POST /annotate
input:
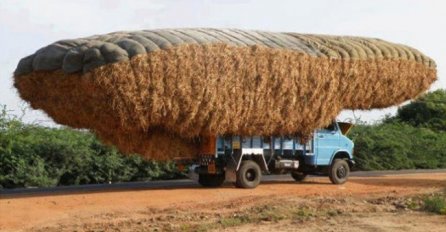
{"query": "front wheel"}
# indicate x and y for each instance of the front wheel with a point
(211, 180)
(248, 175)
(339, 171)
(299, 176)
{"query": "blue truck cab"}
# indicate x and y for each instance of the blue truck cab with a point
(330, 143)
(243, 159)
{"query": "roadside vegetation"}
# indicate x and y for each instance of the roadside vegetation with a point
(33, 155)
(435, 204)
(413, 139)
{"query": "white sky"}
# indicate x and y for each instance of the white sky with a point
(26, 26)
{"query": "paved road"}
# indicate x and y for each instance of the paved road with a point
(172, 184)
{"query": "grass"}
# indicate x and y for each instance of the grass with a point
(195, 228)
(435, 204)
(258, 214)
(234, 221)
(303, 213)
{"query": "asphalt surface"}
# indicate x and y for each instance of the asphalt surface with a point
(173, 184)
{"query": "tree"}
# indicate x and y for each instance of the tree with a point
(428, 111)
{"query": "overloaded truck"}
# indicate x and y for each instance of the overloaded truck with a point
(243, 159)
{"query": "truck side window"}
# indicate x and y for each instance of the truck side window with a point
(287, 144)
(228, 144)
(220, 144)
(246, 142)
(298, 145)
(277, 143)
(331, 127)
(266, 142)
(256, 142)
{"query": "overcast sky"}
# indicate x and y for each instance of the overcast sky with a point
(26, 26)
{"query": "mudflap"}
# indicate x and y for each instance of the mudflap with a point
(230, 174)
(231, 167)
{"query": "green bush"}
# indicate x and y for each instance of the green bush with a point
(427, 111)
(396, 145)
(414, 138)
(33, 155)
(435, 204)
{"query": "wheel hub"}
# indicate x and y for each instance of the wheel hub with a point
(341, 172)
(250, 175)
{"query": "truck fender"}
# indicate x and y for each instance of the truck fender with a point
(341, 153)
(236, 160)
(258, 158)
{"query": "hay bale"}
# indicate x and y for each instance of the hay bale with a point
(155, 92)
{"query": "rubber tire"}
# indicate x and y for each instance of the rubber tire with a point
(211, 180)
(299, 176)
(241, 175)
(333, 171)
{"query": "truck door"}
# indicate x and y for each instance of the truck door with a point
(327, 142)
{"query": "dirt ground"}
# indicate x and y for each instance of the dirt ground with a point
(386, 203)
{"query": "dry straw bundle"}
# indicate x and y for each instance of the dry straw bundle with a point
(154, 92)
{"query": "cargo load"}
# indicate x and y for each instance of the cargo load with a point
(157, 92)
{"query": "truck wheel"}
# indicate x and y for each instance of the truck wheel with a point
(298, 176)
(211, 180)
(339, 171)
(249, 175)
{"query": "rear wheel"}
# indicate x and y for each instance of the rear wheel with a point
(298, 176)
(248, 175)
(339, 171)
(211, 180)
